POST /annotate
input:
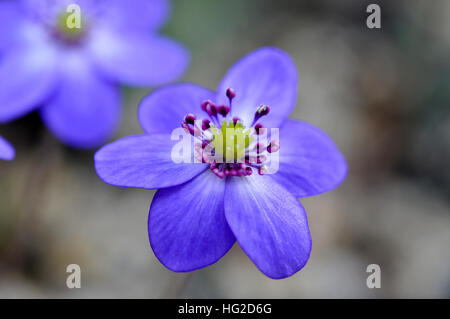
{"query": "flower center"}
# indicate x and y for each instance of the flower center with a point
(231, 141)
(69, 28)
(225, 143)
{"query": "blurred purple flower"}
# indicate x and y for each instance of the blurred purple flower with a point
(202, 209)
(71, 74)
(6, 150)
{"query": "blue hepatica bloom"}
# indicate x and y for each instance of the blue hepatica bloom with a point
(72, 74)
(6, 150)
(201, 209)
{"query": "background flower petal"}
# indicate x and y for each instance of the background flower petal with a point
(187, 225)
(164, 109)
(269, 224)
(6, 150)
(137, 58)
(48, 11)
(266, 76)
(143, 162)
(85, 110)
(27, 77)
(145, 14)
(11, 22)
(310, 163)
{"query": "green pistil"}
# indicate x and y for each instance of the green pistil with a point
(231, 141)
(68, 28)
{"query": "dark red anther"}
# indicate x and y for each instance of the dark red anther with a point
(223, 110)
(205, 143)
(231, 94)
(273, 147)
(259, 128)
(204, 103)
(211, 109)
(206, 124)
(262, 170)
(236, 120)
(190, 118)
(261, 159)
(186, 127)
(262, 110)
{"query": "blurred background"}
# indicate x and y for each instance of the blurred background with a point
(383, 96)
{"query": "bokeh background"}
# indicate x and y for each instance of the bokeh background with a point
(382, 95)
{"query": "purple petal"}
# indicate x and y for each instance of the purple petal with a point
(310, 163)
(27, 77)
(187, 226)
(137, 58)
(164, 109)
(266, 76)
(119, 14)
(85, 111)
(144, 14)
(6, 150)
(50, 10)
(143, 162)
(11, 22)
(269, 224)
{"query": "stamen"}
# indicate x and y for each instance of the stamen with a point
(229, 142)
(187, 128)
(204, 103)
(223, 110)
(260, 147)
(263, 170)
(191, 128)
(273, 147)
(261, 111)
(211, 109)
(206, 124)
(261, 159)
(231, 94)
(236, 120)
(259, 128)
(190, 118)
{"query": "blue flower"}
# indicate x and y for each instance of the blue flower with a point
(201, 209)
(7, 152)
(72, 74)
